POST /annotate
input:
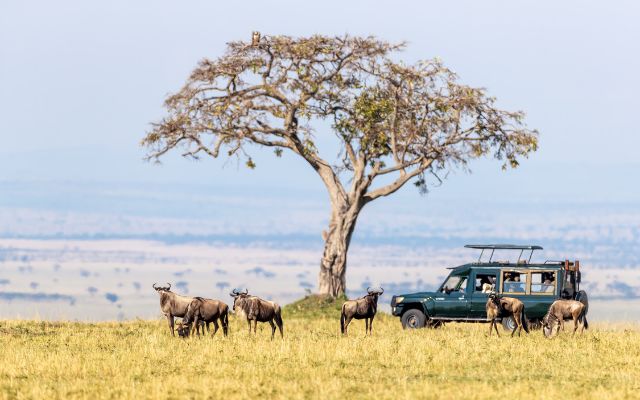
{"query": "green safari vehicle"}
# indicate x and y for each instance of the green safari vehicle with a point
(463, 294)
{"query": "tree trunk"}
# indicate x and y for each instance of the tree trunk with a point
(333, 266)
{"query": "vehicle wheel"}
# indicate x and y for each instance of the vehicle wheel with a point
(509, 324)
(413, 319)
(535, 324)
(582, 297)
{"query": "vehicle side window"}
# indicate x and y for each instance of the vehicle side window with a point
(485, 283)
(462, 287)
(455, 283)
(543, 282)
(514, 282)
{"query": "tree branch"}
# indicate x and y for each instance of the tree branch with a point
(398, 183)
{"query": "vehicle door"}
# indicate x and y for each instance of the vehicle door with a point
(544, 289)
(515, 283)
(483, 282)
(452, 300)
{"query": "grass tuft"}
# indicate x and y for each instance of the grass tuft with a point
(315, 306)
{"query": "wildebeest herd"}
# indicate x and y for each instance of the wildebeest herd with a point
(198, 312)
(559, 311)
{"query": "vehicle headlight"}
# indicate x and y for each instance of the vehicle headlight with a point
(399, 299)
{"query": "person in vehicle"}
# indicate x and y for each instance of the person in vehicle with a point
(490, 285)
(512, 283)
(547, 285)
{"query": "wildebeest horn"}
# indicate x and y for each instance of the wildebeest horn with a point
(368, 290)
(154, 286)
(246, 291)
(168, 287)
(233, 293)
(381, 290)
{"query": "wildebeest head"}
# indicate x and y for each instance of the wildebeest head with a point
(183, 329)
(375, 293)
(548, 323)
(238, 297)
(162, 288)
(494, 296)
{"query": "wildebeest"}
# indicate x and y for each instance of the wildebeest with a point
(207, 311)
(183, 329)
(257, 310)
(498, 306)
(363, 308)
(561, 310)
(172, 304)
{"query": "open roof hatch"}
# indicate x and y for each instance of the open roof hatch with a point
(494, 247)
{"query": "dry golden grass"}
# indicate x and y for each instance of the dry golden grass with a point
(141, 360)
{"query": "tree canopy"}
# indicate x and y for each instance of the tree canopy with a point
(392, 119)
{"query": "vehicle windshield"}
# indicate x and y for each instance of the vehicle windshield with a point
(454, 283)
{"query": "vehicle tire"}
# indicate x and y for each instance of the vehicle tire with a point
(508, 324)
(582, 297)
(535, 324)
(413, 319)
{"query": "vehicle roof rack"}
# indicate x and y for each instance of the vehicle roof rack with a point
(503, 247)
(494, 247)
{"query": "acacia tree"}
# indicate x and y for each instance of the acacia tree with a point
(396, 123)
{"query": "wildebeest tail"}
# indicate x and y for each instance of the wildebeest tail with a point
(583, 318)
(342, 320)
(278, 316)
(525, 322)
(225, 316)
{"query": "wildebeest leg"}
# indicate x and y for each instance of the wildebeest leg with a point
(366, 326)
(273, 328)
(518, 319)
(215, 327)
(559, 322)
(495, 325)
(208, 330)
(249, 322)
(279, 323)
(255, 325)
(371, 325)
(575, 324)
(170, 321)
(195, 328)
(515, 327)
(560, 319)
(346, 325)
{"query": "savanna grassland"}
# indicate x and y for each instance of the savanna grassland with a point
(139, 359)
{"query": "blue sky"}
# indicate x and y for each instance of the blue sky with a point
(81, 81)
